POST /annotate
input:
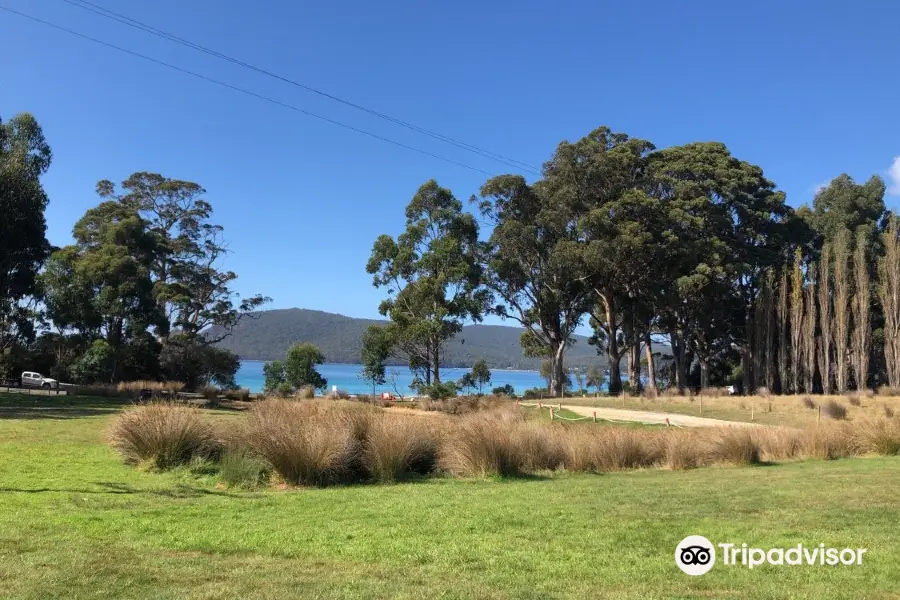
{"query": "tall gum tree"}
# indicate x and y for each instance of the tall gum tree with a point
(433, 277)
(531, 270)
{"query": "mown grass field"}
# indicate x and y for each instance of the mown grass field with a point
(77, 523)
(774, 410)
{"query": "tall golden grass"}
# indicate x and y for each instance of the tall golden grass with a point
(163, 435)
(144, 384)
(325, 442)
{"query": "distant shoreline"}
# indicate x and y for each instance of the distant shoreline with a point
(256, 360)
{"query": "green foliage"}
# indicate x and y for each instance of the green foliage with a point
(300, 366)
(505, 390)
(596, 377)
(376, 349)
(274, 374)
(240, 469)
(184, 359)
(24, 157)
(432, 276)
(96, 364)
(438, 391)
(481, 374)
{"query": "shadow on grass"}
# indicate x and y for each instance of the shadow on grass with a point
(60, 412)
(176, 491)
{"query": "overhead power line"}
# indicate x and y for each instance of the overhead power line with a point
(134, 23)
(244, 91)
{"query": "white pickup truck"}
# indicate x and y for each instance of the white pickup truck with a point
(32, 379)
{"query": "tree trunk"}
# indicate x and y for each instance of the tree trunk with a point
(557, 375)
(862, 327)
(613, 354)
(678, 352)
(704, 372)
(634, 364)
(825, 319)
(747, 353)
(651, 365)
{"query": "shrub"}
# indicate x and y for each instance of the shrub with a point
(506, 390)
(763, 392)
(887, 390)
(734, 445)
(304, 444)
(808, 402)
(284, 390)
(835, 410)
(239, 468)
(395, 447)
(853, 399)
(307, 392)
(439, 391)
(888, 412)
(164, 435)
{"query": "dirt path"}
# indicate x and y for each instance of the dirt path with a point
(651, 418)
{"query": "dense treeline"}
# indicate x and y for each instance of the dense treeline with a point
(686, 244)
(133, 295)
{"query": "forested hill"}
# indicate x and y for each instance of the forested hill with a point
(268, 335)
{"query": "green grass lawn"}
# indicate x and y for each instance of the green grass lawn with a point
(77, 523)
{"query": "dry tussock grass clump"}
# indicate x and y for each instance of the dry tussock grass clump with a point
(734, 446)
(878, 436)
(827, 442)
(853, 399)
(888, 391)
(303, 443)
(464, 405)
(684, 450)
(307, 392)
(835, 410)
(395, 447)
(808, 402)
(780, 443)
(612, 449)
(164, 435)
(156, 386)
(482, 446)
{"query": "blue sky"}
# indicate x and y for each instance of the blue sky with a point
(807, 90)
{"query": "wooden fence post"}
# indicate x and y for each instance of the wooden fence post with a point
(595, 416)
(701, 403)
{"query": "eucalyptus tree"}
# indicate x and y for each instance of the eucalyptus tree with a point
(192, 290)
(24, 157)
(531, 268)
(432, 275)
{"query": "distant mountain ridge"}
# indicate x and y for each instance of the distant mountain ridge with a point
(269, 333)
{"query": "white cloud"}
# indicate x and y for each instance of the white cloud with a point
(893, 175)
